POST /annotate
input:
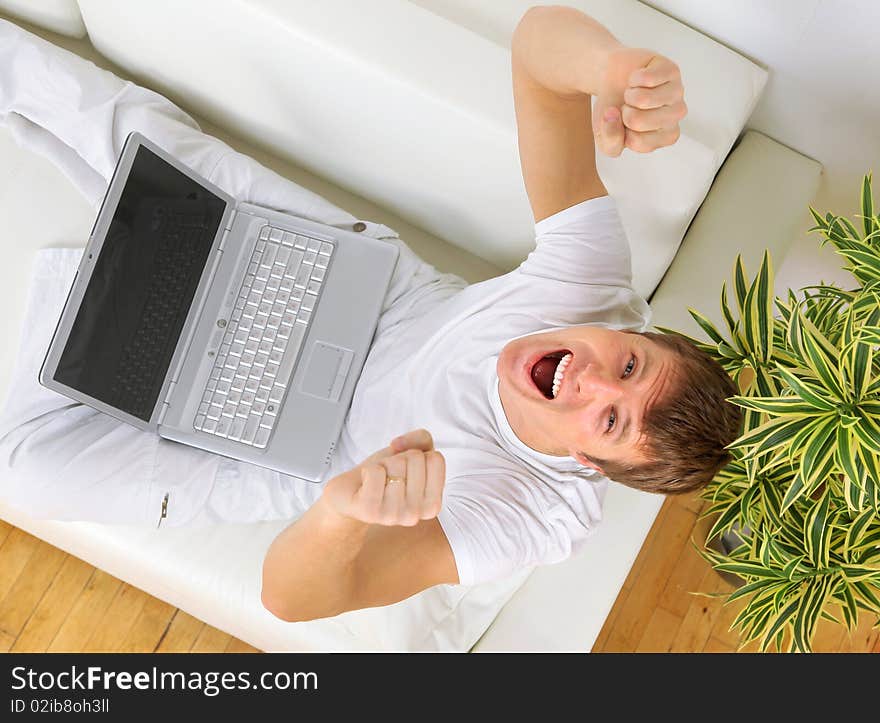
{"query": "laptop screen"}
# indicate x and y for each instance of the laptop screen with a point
(140, 291)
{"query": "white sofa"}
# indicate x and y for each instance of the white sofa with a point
(401, 112)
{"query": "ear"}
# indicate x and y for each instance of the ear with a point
(584, 460)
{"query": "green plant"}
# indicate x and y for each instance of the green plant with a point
(802, 491)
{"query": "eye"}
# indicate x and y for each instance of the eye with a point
(612, 418)
(629, 367)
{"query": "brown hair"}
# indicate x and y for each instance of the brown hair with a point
(687, 431)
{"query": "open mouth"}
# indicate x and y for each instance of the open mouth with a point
(548, 372)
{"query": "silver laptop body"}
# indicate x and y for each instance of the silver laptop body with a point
(274, 312)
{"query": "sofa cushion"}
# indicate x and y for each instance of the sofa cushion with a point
(410, 105)
(59, 16)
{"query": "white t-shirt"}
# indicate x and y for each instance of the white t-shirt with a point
(433, 365)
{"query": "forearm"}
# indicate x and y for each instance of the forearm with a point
(310, 569)
(562, 49)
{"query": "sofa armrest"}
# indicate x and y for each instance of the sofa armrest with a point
(759, 200)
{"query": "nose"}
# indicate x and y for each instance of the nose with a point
(595, 384)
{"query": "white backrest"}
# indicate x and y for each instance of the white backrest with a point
(417, 115)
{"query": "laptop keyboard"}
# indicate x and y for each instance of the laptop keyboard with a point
(263, 337)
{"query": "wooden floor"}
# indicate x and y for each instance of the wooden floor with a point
(656, 610)
(52, 601)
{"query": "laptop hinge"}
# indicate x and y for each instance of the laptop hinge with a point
(167, 403)
(229, 222)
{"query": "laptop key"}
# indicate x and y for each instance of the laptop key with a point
(236, 429)
(250, 428)
(262, 436)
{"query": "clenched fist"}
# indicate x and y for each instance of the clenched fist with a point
(639, 103)
(399, 485)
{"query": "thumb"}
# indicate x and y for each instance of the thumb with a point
(414, 439)
(611, 134)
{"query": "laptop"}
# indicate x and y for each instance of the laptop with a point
(216, 323)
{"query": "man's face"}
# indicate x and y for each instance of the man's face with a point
(608, 383)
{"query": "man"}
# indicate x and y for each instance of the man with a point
(521, 394)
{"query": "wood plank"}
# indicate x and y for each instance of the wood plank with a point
(55, 606)
(149, 627)
(721, 630)
(15, 553)
(239, 646)
(637, 609)
(690, 501)
(211, 640)
(85, 616)
(829, 636)
(863, 637)
(696, 627)
(601, 642)
(660, 632)
(685, 579)
(714, 645)
(181, 634)
(118, 620)
(6, 642)
(5, 529)
(30, 586)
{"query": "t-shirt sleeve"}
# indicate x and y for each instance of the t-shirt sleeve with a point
(585, 243)
(496, 527)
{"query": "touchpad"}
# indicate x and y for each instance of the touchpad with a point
(326, 371)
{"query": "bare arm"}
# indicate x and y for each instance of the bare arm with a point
(561, 57)
(366, 542)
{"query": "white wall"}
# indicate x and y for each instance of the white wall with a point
(822, 98)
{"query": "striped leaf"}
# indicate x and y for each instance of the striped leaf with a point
(782, 406)
(821, 356)
(869, 541)
(820, 221)
(727, 520)
(849, 607)
(854, 573)
(770, 434)
(706, 326)
(794, 492)
(752, 587)
(809, 392)
(868, 432)
(817, 532)
(856, 530)
(865, 265)
(810, 607)
(871, 464)
(781, 620)
(867, 204)
(866, 596)
(748, 569)
(735, 341)
(846, 456)
(763, 306)
(740, 287)
(818, 454)
(790, 571)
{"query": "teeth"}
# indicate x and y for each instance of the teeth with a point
(560, 371)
